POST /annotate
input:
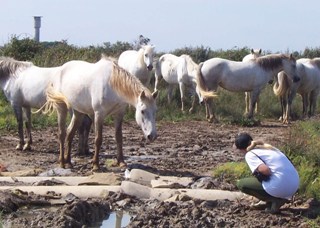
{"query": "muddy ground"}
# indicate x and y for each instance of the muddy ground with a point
(189, 148)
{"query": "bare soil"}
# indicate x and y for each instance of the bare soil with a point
(190, 148)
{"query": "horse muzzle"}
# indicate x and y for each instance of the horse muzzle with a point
(152, 137)
(150, 67)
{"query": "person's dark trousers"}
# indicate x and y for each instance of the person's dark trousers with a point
(253, 187)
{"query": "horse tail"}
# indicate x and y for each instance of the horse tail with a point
(158, 68)
(55, 101)
(201, 85)
(281, 86)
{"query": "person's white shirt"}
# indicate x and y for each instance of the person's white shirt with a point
(284, 179)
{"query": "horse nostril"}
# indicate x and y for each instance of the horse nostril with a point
(296, 79)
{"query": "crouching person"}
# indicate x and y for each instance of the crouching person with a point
(275, 180)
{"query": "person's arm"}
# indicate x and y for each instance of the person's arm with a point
(264, 169)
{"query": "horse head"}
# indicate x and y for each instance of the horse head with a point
(289, 67)
(146, 114)
(148, 53)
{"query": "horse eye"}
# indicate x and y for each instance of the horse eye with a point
(142, 112)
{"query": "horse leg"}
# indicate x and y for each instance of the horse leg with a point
(98, 125)
(286, 101)
(83, 134)
(156, 82)
(282, 108)
(252, 102)
(119, 141)
(193, 94)
(19, 116)
(27, 146)
(305, 104)
(73, 126)
(182, 88)
(210, 111)
(291, 96)
(170, 91)
(247, 100)
(313, 102)
(62, 116)
(257, 105)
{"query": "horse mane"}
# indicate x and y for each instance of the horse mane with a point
(126, 84)
(316, 62)
(271, 62)
(9, 66)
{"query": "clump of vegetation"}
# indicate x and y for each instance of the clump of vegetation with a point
(232, 171)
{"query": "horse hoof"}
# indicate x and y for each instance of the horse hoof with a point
(19, 147)
(68, 165)
(190, 110)
(95, 168)
(122, 165)
(26, 147)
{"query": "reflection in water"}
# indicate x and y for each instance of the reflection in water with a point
(116, 219)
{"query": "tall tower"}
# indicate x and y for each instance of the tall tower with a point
(37, 25)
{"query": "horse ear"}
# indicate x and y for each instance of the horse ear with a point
(252, 51)
(155, 94)
(291, 56)
(260, 50)
(142, 95)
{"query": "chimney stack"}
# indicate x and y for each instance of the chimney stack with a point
(37, 25)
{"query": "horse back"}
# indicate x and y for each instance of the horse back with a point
(85, 85)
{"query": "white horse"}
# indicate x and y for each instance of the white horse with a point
(24, 86)
(180, 70)
(308, 87)
(249, 76)
(254, 53)
(104, 89)
(139, 63)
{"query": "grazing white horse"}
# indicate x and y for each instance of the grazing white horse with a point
(139, 63)
(254, 53)
(308, 87)
(180, 70)
(24, 86)
(249, 76)
(104, 89)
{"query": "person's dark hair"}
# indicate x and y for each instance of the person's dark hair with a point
(243, 140)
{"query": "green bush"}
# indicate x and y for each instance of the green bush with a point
(232, 171)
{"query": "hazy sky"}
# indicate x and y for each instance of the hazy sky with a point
(274, 25)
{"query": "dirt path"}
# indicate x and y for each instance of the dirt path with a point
(190, 148)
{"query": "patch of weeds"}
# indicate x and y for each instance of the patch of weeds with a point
(232, 171)
(245, 122)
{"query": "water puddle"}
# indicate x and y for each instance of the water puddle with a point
(117, 219)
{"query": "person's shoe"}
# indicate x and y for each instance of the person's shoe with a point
(275, 206)
(261, 205)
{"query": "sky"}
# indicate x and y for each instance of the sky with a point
(272, 25)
